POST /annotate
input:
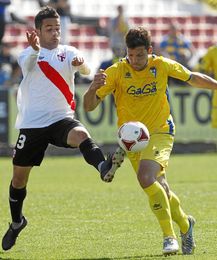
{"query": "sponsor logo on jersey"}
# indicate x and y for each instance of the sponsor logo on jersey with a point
(41, 57)
(61, 56)
(147, 90)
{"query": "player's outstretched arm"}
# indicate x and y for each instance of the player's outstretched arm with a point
(90, 99)
(28, 58)
(82, 66)
(201, 80)
(33, 40)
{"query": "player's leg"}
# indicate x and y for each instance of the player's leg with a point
(159, 203)
(93, 154)
(29, 151)
(151, 161)
(71, 133)
(184, 221)
(17, 194)
(177, 213)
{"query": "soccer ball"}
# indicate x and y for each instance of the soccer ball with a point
(133, 136)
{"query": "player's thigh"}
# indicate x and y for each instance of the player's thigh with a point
(158, 150)
(134, 158)
(30, 147)
(68, 133)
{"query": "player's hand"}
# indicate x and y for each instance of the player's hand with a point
(77, 61)
(33, 40)
(99, 80)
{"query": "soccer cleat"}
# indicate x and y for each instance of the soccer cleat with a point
(188, 243)
(170, 246)
(110, 165)
(11, 235)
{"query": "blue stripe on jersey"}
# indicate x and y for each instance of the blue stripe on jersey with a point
(171, 126)
(168, 98)
(189, 78)
(169, 122)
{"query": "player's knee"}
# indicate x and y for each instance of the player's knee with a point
(76, 136)
(19, 182)
(82, 136)
(145, 179)
(20, 177)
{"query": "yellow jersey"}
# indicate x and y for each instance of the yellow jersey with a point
(209, 65)
(209, 61)
(143, 95)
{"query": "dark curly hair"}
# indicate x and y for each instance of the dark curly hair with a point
(137, 37)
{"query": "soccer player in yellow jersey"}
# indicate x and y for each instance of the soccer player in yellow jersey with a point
(209, 65)
(139, 86)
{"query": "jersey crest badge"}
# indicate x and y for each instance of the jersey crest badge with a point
(153, 71)
(61, 56)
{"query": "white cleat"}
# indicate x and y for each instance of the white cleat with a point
(170, 246)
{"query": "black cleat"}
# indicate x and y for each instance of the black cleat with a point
(11, 235)
(112, 163)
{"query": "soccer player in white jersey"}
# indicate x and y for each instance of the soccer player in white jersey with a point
(46, 108)
(139, 85)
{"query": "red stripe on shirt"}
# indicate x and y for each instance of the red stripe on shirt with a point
(58, 81)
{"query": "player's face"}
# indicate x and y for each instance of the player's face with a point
(49, 34)
(138, 57)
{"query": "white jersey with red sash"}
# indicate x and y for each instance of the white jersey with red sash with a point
(46, 93)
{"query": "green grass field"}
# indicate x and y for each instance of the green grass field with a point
(72, 214)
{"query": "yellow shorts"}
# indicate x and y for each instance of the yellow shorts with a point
(158, 150)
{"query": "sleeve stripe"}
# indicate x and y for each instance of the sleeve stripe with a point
(189, 78)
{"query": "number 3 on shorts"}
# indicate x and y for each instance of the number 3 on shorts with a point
(21, 141)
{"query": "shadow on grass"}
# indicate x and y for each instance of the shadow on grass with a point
(145, 257)
(12, 258)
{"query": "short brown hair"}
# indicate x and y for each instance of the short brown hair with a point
(138, 37)
(46, 12)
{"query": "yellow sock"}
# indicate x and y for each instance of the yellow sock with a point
(161, 208)
(178, 215)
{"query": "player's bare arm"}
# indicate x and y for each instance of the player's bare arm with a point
(201, 80)
(33, 40)
(90, 100)
(82, 66)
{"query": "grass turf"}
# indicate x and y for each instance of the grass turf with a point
(72, 214)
